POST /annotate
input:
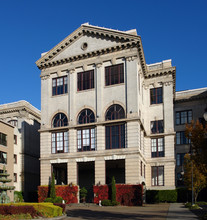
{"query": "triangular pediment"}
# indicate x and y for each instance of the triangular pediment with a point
(85, 40)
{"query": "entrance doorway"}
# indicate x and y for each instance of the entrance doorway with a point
(86, 178)
(60, 171)
(115, 168)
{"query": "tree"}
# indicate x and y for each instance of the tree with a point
(196, 132)
(83, 193)
(199, 180)
(113, 190)
(52, 188)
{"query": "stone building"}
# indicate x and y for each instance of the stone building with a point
(25, 119)
(7, 152)
(105, 112)
(189, 105)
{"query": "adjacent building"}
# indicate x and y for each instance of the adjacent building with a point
(7, 153)
(105, 112)
(25, 121)
(189, 105)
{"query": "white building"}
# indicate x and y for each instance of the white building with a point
(105, 112)
(26, 166)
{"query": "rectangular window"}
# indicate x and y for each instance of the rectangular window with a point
(158, 176)
(3, 139)
(115, 136)
(157, 145)
(114, 74)
(183, 117)
(15, 177)
(85, 80)
(15, 158)
(86, 139)
(141, 168)
(60, 85)
(181, 139)
(180, 159)
(60, 142)
(15, 139)
(3, 157)
(157, 127)
(156, 95)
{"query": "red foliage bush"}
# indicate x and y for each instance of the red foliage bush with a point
(128, 195)
(100, 193)
(68, 193)
(12, 210)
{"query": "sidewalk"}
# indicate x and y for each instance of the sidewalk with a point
(178, 211)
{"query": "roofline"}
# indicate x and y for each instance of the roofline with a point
(6, 123)
(190, 90)
(86, 29)
(22, 104)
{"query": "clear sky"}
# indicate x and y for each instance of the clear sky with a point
(170, 29)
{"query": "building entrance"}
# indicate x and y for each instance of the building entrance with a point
(60, 171)
(86, 178)
(115, 168)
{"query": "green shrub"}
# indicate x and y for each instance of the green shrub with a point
(18, 197)
(47, 210)
(156, 196)
(52, 187)
(83, 193)
(48, 200)
(182, 194)
(113, 190)
(106, 202)
(201, 203)
(167, 196)
(188, 204)
(195, 206)
(115, 203)
(58, 199)
(14, 217)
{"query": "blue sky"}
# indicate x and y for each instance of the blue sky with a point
(170, 29)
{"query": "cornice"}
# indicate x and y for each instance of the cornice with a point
(125, 40)
(163, 72)
(92, 54)
(90, 125)
(18, 109)
(190, 99)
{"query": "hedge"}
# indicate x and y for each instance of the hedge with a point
(156, 196)
(41, 209)
(129, 195)
(68, 193)
(12, 210)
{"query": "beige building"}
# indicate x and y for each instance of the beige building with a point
(105, 112)
(26, 166)
(7, 153)
(189, 105)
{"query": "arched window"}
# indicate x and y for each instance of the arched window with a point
(115, 112)
(60, 120)
(86, 116)
(115, 133)
(86, 135)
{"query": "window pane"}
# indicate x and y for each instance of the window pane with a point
(177, 118)
(114, 74)
(59, 85)
(178, 138)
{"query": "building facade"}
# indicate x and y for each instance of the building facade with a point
(189, 105)
(105, 112)
(25, 119)
(7, 153)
